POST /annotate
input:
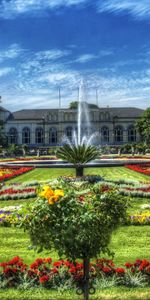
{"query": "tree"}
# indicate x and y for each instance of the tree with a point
(78, 155)
(143, 126)
(77, 222)
(74, 105)
(3, 139)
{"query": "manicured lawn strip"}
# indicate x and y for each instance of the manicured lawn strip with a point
(14, 242)
(128, 244)
(43, 174)
(107, 172)
(117, 173)
(115, 293)
(23, 202)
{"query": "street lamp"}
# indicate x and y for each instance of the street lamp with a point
(43, 121)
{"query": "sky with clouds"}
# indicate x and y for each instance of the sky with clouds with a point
(49, 45)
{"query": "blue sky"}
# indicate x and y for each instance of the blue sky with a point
(50, 44)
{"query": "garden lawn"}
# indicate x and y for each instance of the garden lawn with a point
(115, 293)
(107, 172)
(128, 243)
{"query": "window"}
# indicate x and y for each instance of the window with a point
(105, 134)
(54, 117)
(39, 136)
(26, 135)
(66, 118)
(107, 116)
(69, 132)
(118, 132)
(13, 136)
(131, 134)
(53, 136)
(101, 116)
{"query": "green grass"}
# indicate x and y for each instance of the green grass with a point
(128, 243)
(116, 293)
(107, 172)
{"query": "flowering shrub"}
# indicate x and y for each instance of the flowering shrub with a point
(73, 221)
(8, 173)
(145, 169)
(77, 223)
(48, 274)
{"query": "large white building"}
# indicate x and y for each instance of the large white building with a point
(46, 127)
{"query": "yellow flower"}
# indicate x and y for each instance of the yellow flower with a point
(59, 193)
(51, 195)
(47, 192)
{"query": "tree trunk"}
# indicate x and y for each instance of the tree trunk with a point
(79, 171)
(86, 265)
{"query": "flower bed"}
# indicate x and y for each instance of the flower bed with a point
(10, 172)
(142, 218)
(45, 273)
(17, 192)
(9, 217)
(144, 169)
(129, 187)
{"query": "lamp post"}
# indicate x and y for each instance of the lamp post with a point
(43, 121)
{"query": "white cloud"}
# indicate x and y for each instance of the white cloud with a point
(5, 71)
(51, 54)
(13, 51)
(12, 8)
(138, 8)
(85, 58)
(88, 57)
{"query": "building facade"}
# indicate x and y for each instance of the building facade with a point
(46, 127)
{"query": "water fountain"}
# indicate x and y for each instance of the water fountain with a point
(82, 135)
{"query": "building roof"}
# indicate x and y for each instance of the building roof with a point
(3, 109)
(38, 114)
(124, 112)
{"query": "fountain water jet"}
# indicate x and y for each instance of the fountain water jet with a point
(82, 136)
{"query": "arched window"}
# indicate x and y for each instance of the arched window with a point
(39, 136)
(49, 117)
(131, 134)
(118, 132)
(26, 136)
(13, 136)
(105, 134)
(53, 136)
(69, 132)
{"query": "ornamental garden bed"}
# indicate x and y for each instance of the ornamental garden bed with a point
(67, 274)
(7, 173)
(144, 169)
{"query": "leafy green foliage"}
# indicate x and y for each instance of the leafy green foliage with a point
(80, 154)
(143, 126)
(79, 224)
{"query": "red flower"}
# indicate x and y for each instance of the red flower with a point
(128, 265)
(48, 260)
(44, 279)
(120, 270)
(58, 263)
(106, 270)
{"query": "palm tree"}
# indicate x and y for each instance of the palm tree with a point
(78, 155)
